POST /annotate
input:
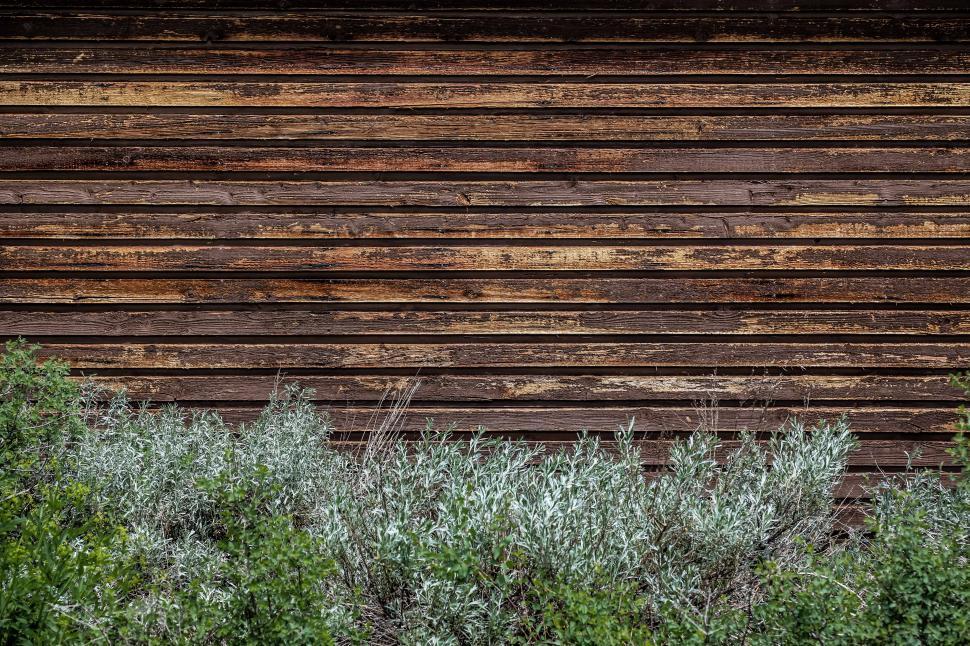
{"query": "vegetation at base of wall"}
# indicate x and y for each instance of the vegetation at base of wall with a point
(123, 525)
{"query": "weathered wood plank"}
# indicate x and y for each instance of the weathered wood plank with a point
(557, 429)
(422, 27)
(552, 407)
(195, 225)
(708, 192)
(662, 420)
(472, 290)
(491, 7)
(498, 388)
(315, 323)
(483, 258)
(559, 423)
(505, 355)
(482, 95)
(486, 159)
(585, 62)
(493, 127)
(528, 5)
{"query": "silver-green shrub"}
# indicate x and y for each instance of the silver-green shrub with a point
(439, 541)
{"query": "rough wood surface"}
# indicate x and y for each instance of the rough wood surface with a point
(564, 423)
(582, 62)
(299, 355)
(194, 224)
(420, 27)
(560, 217)
(484, 5)
(482, 159)
(483, 258)
(524, 322)
(499, 388)
(489, 127)
(896, 290)
(516, 193)
(450, 94)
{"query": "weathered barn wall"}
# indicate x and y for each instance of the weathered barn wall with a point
(560, 219)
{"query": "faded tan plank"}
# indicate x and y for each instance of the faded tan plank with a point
(772, 193)
(496, 127)
(194, 224)
(315, 323)
(510, 290)
(482, 95)
(507, 355)
(483, 258)
(581, 388)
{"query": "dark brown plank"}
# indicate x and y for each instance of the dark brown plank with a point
(285, 60)
(661, 420)
(861, 486)
(485, 159)
(495, 127)
(315, 323)
(870, 453)
(505, 355)
(558, 424)
(511, 290)
(528, 5)
(192, 225)
(483, 258)
(482, 95)
(793, 192)
(581, 388)
(421, 27)
(482, 5)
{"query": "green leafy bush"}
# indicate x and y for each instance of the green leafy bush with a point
(57, 563)
(907, 583)
(265, 585)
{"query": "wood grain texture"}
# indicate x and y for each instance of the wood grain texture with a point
(484, 6)
(448, 95)
(488, 160)
(759, 203)
(653, 452)
(330, 389)
(192, 224)
(582, 62)
(505, 355)
(522, 322)
(453, 193)
(489, 127)
(484, 258)
(565, 423)
(421, 27)
(899, 290)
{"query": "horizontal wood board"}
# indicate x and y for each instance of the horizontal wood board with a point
(557, 218)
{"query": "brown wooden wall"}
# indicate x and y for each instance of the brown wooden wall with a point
(560, 219)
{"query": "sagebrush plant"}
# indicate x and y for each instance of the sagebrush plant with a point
(445, 538)
(129, 525)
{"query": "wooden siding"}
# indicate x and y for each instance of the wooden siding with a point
(559, 219)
